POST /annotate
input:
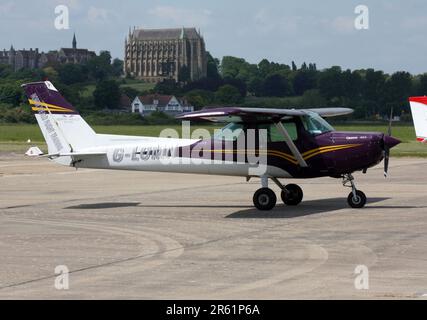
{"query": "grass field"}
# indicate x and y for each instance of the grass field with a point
(138, 85)
(13, 138)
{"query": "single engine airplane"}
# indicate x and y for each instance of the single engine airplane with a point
(287, 143)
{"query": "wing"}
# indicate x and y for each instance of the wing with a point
(258, 114)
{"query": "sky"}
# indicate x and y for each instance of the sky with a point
(282, 31)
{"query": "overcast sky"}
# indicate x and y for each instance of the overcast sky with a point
(279, 30)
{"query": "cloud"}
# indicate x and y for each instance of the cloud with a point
(97, 14)
(182, 17)
(267, 21)
(342, 24)
(6, 8)
(415, 23)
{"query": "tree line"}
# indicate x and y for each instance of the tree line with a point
(231, 81)
(370, 92)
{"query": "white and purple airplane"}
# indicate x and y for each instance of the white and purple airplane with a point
(286, 143)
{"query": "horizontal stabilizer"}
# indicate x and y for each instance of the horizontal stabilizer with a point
(74, 154)
(34, 152)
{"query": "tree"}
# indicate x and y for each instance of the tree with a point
(212, 67)
(199, 98)
(304, 67)
(100, 66)
(130, 92)
(210, 84)
(184, 74)
(5, 70)
(373, 87)
(276, 85)
(422, 86)
(107, 94)
(397, 90)
(330, 83)
(167, 86)
(51, 73)
(239, 84)
(230, 66)
(294, 66)
(11, 94)
(255, 86)
(72, 73)
(117, 67)
(228, 94)
(266, 68)
(352, 84)
(303, 81)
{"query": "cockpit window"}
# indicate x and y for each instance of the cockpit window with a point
(230, 132)
(274, 135)
(315, 124)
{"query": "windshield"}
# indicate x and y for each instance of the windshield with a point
(315, 124)
(230, 132)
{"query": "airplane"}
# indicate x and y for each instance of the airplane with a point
(419, 116)
(269, 144)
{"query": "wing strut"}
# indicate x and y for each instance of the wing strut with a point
(291, 144)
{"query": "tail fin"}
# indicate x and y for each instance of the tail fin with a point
(419, 116)
(63, 128)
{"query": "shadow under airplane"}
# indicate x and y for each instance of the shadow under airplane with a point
(308, 207)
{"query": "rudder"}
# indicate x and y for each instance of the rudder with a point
(63, 128)
(419, 116)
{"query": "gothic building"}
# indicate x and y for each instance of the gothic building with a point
(32, 59)
(74, 55)
(19, 59)
(156, 54)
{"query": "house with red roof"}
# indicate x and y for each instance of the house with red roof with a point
(157, 102)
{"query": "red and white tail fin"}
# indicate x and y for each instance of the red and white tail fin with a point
(419, 116)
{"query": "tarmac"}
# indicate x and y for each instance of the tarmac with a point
(137, 235)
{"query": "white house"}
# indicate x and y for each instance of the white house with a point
(164, 103)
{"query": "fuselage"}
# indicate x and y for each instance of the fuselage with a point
(331, 153)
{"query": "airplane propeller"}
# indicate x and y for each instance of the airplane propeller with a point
(387, 146)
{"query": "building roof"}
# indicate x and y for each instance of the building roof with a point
(165, 34)
(72, 52)
(149, 99)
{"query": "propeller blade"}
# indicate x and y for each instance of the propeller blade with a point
(386, 160)
(386, 147)
(390, 122)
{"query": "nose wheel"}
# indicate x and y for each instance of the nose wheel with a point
(357, 201)
(356, 198)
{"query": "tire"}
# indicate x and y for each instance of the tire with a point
(359, 202)
(264, 199)
(293, 196)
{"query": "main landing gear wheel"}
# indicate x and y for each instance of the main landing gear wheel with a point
(292, 195)
(358, 200)
(264, 199)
